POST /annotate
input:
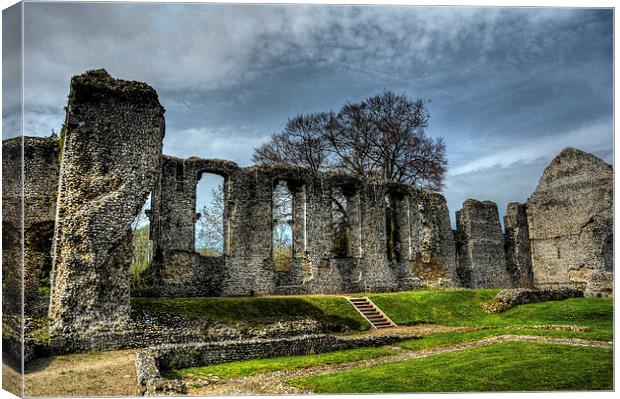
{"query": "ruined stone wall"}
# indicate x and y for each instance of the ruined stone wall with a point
(481, 258)
(398, 237)
(179, 270)
(517, 246)
(40, 168)
(570, 218)
(111, 154)
(247, 266)
(433, 251)
(12, 222)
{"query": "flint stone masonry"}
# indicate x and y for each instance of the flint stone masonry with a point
(151, 362)
(509, 298)
(398, 237)
(517, 246)
(570, 219)
(111, 151)
(12, 222)
(155, 328)
(247, 267)
(481, 258)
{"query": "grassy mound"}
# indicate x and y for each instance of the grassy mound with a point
(462, 308)
(500, 367)
(449, 307)
(334, 311)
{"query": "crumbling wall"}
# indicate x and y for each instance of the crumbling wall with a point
(247, 266)
(179, 269)
(433, 247)
(481, 259)
(517, 246)
(40, 185)
(12, 222)
(570, 217)
(111, 152)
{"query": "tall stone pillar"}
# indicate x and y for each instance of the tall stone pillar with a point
(518, 250)
(481, 246)
(111, 154)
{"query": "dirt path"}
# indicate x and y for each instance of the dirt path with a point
(110, 373)
(275, 382)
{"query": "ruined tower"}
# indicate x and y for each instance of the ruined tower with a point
(111, 153)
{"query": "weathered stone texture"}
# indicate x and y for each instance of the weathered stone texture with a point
(481, 259)
(433, 253)
(422, 234)
(40, 168)
(111, 151)
(517, 246)
(151, 362)
(12, 222)
(570, 218)
(509, 298)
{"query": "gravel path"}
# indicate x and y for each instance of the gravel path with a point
(275, 382)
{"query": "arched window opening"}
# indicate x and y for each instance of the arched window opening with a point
(392, 228)
(179, 176)
(141, 271)
(341, 226)
(282, 226)
(209, 225)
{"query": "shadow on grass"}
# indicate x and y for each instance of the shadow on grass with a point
(334, 312)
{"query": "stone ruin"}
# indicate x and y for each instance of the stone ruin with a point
(82, 191)
(570, 221)
(247, 267)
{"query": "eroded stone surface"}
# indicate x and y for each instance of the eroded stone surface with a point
(399, 237)
(517, 246)
(12, 224)
(482, 263)
(570, 218)
(422, 240)
(110, 160)
(509, 298)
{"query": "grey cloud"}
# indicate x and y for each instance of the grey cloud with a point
(500, 79)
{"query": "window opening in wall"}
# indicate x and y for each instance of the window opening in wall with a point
(38, 244)
(341, 227)
(392, 229)
(282, 224)
(141, 270)
(608, 254)
(209, 225)
(180, 172)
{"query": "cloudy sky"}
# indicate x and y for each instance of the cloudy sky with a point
(508, 87)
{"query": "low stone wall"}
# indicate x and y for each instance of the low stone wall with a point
(150, 362)
(509, 298)
(152, 328)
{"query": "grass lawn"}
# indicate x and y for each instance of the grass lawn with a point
(462, 308)
(511, 366)
(334, 311)
(258, 366)
(455, 337)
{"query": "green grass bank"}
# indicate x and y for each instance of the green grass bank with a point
(511, 366)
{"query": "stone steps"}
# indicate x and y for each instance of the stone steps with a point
(371, 313)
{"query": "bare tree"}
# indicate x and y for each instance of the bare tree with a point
(380, 137)
(210, 225)
(301, 143)
(282, 222)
